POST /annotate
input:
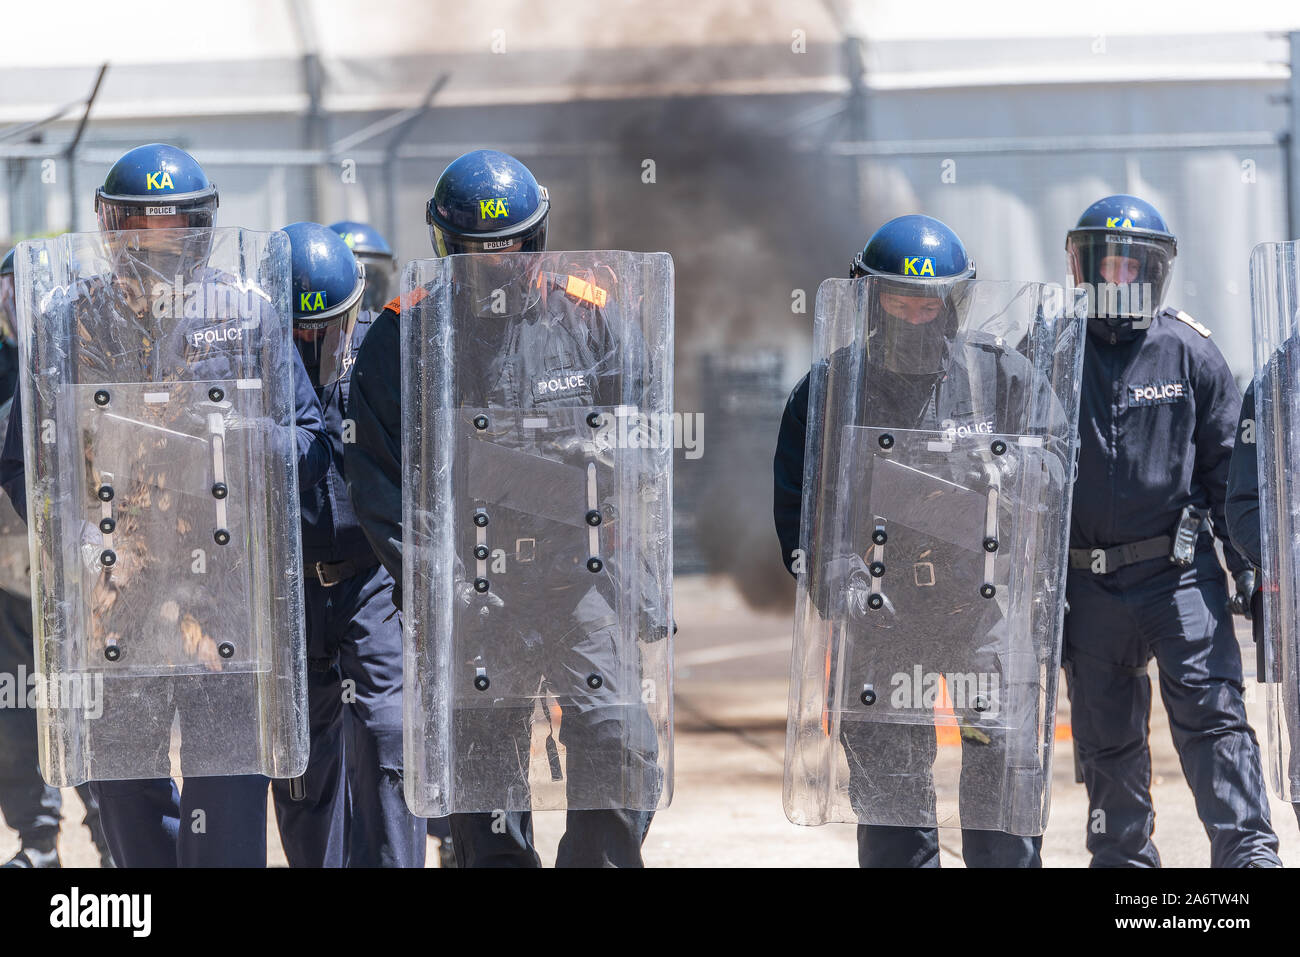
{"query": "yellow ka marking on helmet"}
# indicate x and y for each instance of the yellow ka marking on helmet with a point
(311, 301)
(1115, 221)
(350, 240)
(909, 266)
(492, 208)
(159, 179)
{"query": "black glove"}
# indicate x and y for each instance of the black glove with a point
(1239, 604)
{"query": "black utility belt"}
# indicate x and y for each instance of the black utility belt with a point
(1179, 548)
(330, 574)
(1103, 561)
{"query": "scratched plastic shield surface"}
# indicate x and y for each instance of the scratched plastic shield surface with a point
(929, 607)
(161, 464)
(537, 391)
(1275, 301)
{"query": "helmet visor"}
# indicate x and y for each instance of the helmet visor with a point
(446, 243)
(177, 212)
(1123, 276)
(325, 341)
(911, 326)
(379, 282)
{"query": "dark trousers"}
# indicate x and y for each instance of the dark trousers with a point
(1117, 623)
(355, 632)
(221, 821)
(29, 805)
(354, 696)
(884, 846)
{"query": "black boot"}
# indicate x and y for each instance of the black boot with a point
(37, 851)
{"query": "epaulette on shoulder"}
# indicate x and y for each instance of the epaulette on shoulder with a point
(415, 296)
(1188, 320)
(584, 291)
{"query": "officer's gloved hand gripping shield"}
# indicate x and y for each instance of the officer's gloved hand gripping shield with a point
(1275, 304)
(162, 496)
(537, 444)
(931, 586)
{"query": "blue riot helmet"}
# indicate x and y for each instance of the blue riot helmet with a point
(325, 293)
(156, 186)
(1122, 254)
(918, 265)
(8, 301)
(162, 197)
(487, 201)
(374, 253)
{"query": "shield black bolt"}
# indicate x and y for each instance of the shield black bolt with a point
(593, 517)
(981, 703)
(481, 552)
(594, 419)
(886, 441)
(481, 519)
(987, 590)
(219, 490)
(990, 544)
(112, 652)
(221, 536)
(226, 650)
(108, 558)
(594, 682)
(216, 395)
(481, 585)
(594, 565)
(481, 682)
(877, 569)
(868, 696)
(106, 525)
(879, 536)
(875, 602)
(999, 447)
(101, 397)
(105, 493)
(480, 422)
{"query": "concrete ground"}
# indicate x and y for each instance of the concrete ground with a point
(732, 681)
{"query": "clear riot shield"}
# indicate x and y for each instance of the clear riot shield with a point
(15, 563)
(931, 591)
(158, 419)
(1275, 302)
(537, 549)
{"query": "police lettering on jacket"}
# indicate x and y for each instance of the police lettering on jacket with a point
(1154, 393)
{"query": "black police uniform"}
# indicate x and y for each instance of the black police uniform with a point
(142, 817)
(30, 806)
(1157, 410)
(990, 381)
(354, 634)
(550, 336)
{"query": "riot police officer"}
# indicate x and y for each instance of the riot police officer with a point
(30, 806)
(376, 255)
(611, 837)
(354, 633)
(911, 381)
(146, 820)
(1158, 408)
